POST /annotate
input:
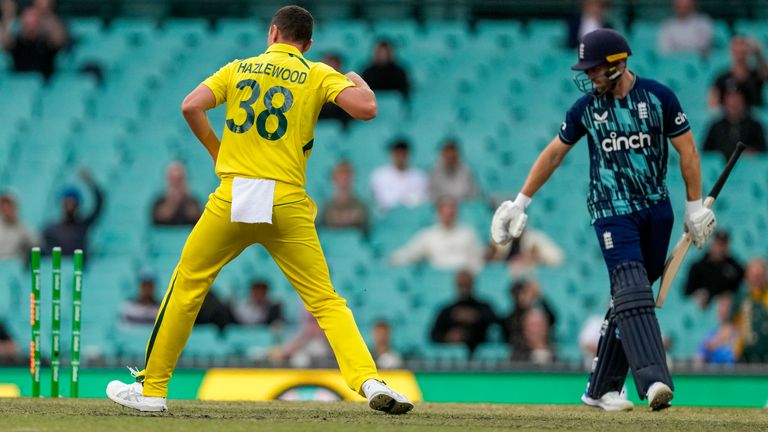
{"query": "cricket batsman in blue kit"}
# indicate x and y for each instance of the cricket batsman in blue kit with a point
(627, 120)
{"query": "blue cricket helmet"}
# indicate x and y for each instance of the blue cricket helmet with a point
(599, 47)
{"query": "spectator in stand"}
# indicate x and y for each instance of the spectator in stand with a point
(71, 232)
(344, 209)
(309, 347)
(688, 31)
(176, 206)
(142, 309)
(465, 321)
(716, 273)
(15, 238)
(445, 245)
(751, 313)
(591, 18)
(719, 347)
(398, 184)
(42, 35)
(214, 311)
(736, 125)
(331, 111)
(536, 335)
(384, 73)
(451, 178)
(526, 296)
(383, 353)
(259, 309)
(589, 336)
(523, 254)
(747, 72)
(9, 351)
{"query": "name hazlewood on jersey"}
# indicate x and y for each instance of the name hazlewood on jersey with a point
(275, 71)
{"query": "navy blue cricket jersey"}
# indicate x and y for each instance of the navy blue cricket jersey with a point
(628, 146)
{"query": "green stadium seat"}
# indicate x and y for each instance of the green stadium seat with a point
(492, 285)
(434, 289)
(85, 29)
(130, 340)
(168, 240)
(252, 342)
(135, 30)
(492, 352)
(206, 342)
(444, 354)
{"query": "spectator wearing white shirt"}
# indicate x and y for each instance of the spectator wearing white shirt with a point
(688, 31)
(398, 184)
(445, 245)
(524, 254)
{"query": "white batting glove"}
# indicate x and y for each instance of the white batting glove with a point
(509, 220)
(700, 222)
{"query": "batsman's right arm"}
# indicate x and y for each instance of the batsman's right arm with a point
(547, 162)
(690, 164)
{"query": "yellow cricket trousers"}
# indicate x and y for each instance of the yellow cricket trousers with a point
(292, 242)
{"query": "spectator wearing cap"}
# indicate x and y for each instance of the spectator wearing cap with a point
(384, 73)
(71, 231)
(398, 184)
(142, 309)
(716, 273)
(688, 31)
(15, 237)
(748, 72)
(451, 178)
(736, 125)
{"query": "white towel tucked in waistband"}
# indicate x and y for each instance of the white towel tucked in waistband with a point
(252, 200)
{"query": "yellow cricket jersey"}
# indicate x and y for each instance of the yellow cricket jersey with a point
(273, 101)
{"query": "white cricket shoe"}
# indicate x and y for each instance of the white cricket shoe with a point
(382, 398)
(659, 395)
(611, 401)
(130, 395)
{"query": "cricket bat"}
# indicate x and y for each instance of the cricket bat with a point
(672, 265)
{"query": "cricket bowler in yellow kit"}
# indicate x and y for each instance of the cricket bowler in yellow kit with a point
(272, 104)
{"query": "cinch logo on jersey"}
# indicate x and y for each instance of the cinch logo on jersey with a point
(285, 74)
(681, 118)
(635, 141)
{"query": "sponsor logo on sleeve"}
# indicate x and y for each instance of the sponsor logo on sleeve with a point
(601, 118)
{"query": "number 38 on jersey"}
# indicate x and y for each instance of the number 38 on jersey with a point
(271, 123)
